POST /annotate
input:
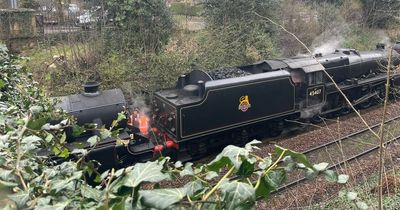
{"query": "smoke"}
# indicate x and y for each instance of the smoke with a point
(329, 40)
(138, 102)
(329, 46)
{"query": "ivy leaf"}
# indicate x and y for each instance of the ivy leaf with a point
(145, 172)
(351, 196)
(104, 134)
(161, 198)
(295, 155)
(2, 160)
(187, 170)
(238, 195)
(311, 174)
(211, 175)
(93, 140)
(250, 146)
(91, 193)
(193, 187)
(2, 84)
(362, 205)
(178, 164)
(56, 206)
(321, 166)
(265, 163)
(230, 155)
(77, 130)
(7, 184)
(264, 189)
(246, 169)
(121, 116)
(20, 198)
(276, 178)
(343, 178)
(30, 143)
(331, 176)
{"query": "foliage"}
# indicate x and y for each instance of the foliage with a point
(378, 13)
(146, 25)
(138, 72)
(180, 8)
(32, 4)
(361, 39)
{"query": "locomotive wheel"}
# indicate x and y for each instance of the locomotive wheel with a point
(345, 111)
(316, 119)
(366, 104)
(275, 132)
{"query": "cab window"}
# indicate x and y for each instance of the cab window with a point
(315, 78)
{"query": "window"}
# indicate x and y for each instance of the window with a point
(315, 78)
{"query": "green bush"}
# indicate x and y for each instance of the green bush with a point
(361, 39)
(180, 8)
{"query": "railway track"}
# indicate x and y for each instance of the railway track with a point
(340, 141)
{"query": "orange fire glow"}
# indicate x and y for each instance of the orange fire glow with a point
(144, 124)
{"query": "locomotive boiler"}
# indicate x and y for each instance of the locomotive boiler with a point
(211, 109)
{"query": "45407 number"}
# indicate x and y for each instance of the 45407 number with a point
(315, 92)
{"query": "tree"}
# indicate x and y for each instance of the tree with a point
(144, 24)
(235, 35)
(378, 13)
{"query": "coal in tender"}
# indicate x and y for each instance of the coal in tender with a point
(225, 73)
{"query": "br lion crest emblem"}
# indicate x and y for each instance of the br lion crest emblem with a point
(244, 103)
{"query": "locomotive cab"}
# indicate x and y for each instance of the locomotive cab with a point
(308, 76)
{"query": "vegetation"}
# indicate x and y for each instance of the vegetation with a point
(142, 52)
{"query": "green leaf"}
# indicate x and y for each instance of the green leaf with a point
(104, 134)
(56, 206)
(331, 176)
(361, 205)
(2, 160)
(343, 178)
(178, 164)
(20, 198)
(351, 196)
(77, 130)
(211, 175)
(7, 184)
(237, 195)
(145, 172)
(64, 153)
(193, 187)
(93, 140)
(276, 178)
(91, 193)
(121, 116)
(265, 163)
(187, 170)
(298, 157)
(161, 198)
(311, 174)
(250, 146)
(230, 155)
(36, 109)
(63, 138)
(2, 84)
(321, 166)
(264, 189)
(246, 169)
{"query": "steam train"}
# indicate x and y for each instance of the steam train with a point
(211, 109)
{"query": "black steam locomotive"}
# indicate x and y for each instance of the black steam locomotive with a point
(210, 109)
